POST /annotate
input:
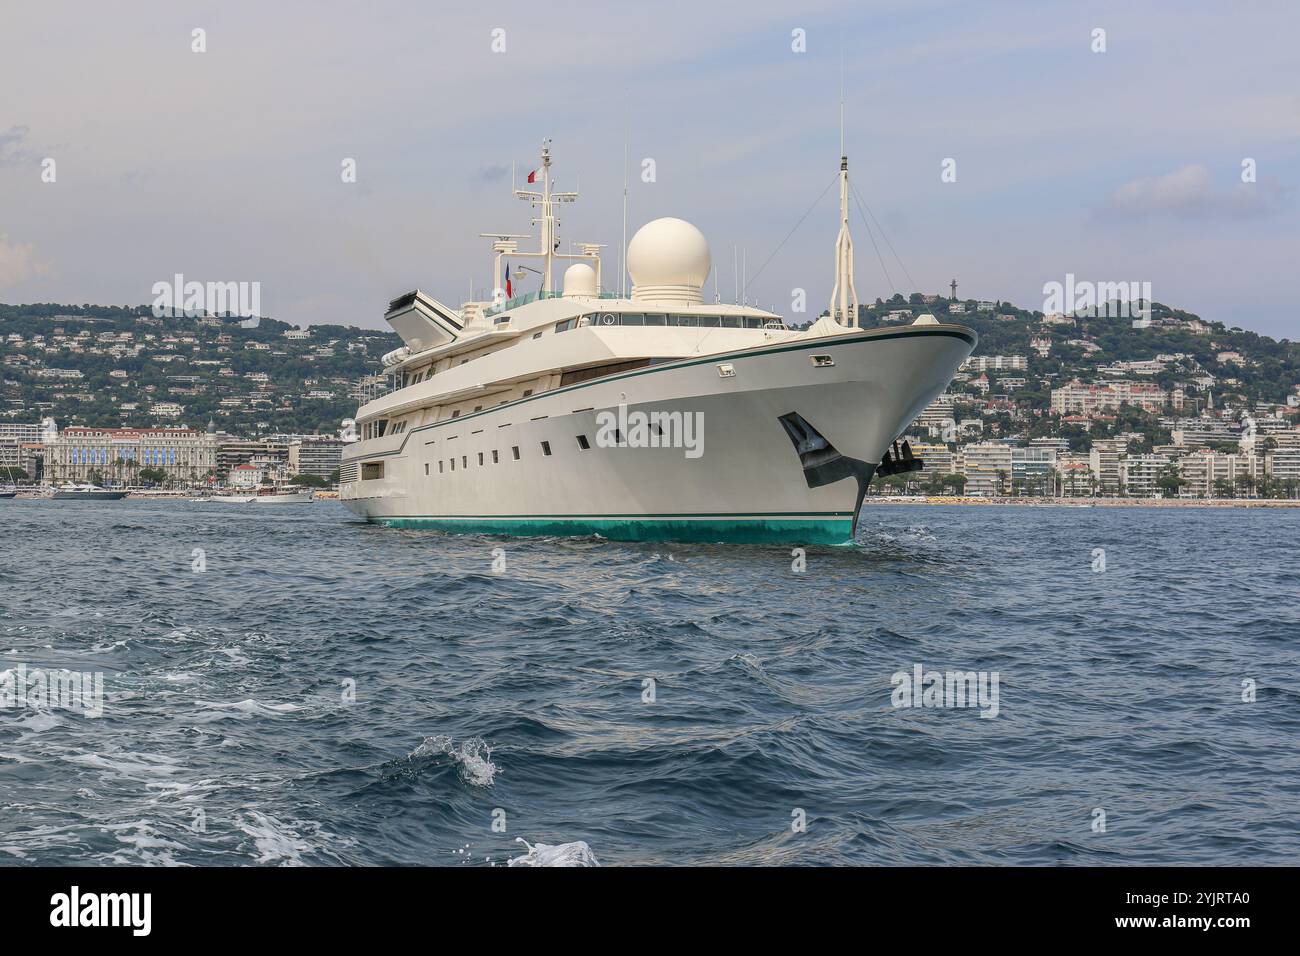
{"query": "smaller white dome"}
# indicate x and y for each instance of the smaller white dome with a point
(926, 319)
(579, 280)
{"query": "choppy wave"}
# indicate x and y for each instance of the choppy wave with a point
(473, 756)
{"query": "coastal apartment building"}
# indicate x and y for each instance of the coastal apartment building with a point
(1140, 474)
(20, 447)
(1202, 430)
(937, 415)
(1079, 399)
(269, 455)
(1207, 472)
(1283, 464)
(315, 456)
(1033, 471)
(22, 432)
(1074, 475)
(996, 363)
(116, 455)
(938, 458)
(987, 467)
(1104, 460)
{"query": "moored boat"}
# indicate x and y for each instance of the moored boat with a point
(654, 415)
(86, 492)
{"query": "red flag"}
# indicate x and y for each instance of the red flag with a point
(532, 177)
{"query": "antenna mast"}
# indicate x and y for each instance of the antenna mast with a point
(844, 296)
(547, 221)
(622, 258)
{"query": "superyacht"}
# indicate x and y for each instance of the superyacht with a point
(651, 416)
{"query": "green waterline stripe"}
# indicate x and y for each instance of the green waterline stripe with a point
(670, 366)
(769, 529)
(635, 517)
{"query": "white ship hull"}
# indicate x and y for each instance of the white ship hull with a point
(749, 483)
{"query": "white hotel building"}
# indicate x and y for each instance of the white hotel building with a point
(118, 454)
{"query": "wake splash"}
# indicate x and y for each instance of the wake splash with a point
(562, 854)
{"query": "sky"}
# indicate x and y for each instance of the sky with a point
(1115, 164)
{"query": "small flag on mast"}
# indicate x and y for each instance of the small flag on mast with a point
(532, 177)
(509, 291)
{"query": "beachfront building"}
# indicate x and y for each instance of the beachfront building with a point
(1140, 474)
(1103, 459)
(1033, 472)
(987, 467)
(1074, 476)
(314, 455)
(1211, 474)
(938, 458)
(118, 455)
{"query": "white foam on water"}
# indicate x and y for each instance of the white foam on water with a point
(151, 770)
(240, 710)
(39, 721)
(577, 853)
(144, 844)
(276, 842)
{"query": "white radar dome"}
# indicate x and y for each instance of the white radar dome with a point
(668, 260)
(579, 280)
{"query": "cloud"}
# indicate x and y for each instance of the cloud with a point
(18, 263)
(493, 174)
(12, 152)
(1190, 192)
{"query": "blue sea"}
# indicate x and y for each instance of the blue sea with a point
(289, 686)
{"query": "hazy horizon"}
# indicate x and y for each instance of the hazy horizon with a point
(1123, 165)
